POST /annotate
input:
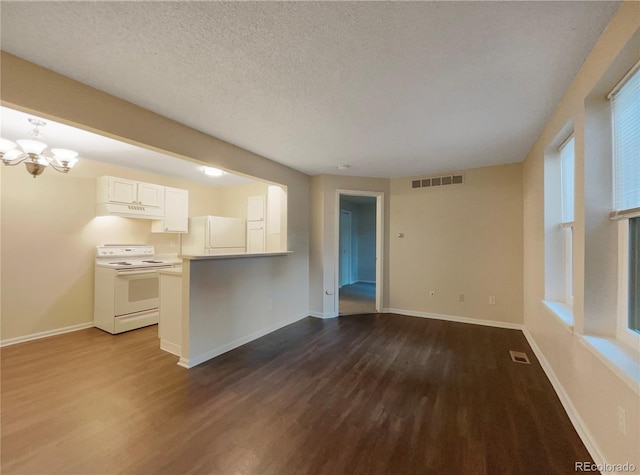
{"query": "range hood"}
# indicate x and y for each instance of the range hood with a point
(129, 211)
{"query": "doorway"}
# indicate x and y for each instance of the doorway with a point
(359, 246)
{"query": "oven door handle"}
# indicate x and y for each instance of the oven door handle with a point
(139, 272)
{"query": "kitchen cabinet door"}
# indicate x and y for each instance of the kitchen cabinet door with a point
(122, 190)
(255, 236)
(256, 208)
(150, 195)
(176, 212)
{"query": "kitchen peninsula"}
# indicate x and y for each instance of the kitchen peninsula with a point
(229, 300)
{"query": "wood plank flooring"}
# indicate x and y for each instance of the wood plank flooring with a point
(362, 394)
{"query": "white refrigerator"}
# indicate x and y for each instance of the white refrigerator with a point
(214, 235)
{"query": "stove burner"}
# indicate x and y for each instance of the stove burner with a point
(121, 263)
(153, 262)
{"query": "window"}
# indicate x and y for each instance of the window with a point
(625, 108)
(559, 200)
(567, 161)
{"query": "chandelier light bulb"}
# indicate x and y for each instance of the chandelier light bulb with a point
(6, 145)
(65, 158)
(10, 154)
(32, 146)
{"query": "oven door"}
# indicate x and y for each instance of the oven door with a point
(136, 291)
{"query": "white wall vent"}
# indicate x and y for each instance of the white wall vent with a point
(443, 180)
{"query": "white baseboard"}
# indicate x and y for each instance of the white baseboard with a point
(184, 362)
(577, 421)
(45, 334)
(191, 362)
(170, 347)
(455, 318)
(323, 315)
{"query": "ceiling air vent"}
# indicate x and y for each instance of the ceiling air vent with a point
(443, 180)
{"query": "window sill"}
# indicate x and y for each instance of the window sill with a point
(621, 359)
(562, 311)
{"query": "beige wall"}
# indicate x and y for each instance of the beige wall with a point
(235, 198)
(459, 239)
(30, 88)
(323, 265)
(594, 390)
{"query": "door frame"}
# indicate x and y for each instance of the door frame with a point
(341, 265)
(379, 196)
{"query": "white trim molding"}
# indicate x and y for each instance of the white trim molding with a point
(45, 334)
(199, 359)
(170, 347)
(380, 237)
(323, 315)
(455, 318)
(578, 423)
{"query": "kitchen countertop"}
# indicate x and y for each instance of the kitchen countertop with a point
(171, 271)
(235, 256)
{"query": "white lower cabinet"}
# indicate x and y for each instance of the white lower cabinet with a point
(170, 324)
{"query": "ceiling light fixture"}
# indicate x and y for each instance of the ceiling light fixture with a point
(32, 153)
(210, 171)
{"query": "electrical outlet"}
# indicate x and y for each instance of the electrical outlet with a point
(432, 294)
(622, 420)
(492, 300)
(460, 297)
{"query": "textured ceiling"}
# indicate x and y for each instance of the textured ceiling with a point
(390, 88)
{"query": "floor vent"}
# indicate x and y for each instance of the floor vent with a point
(438, 181)
(519, 357)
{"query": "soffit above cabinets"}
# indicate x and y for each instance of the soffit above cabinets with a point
(92, 146)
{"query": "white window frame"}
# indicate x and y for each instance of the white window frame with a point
(568, 263)
(568, 228)
(623, 332)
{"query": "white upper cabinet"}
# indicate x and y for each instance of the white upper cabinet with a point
(256, 208)
(121, 190)
(176, 212)
(151, 195)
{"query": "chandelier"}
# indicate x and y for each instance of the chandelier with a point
(32, 153)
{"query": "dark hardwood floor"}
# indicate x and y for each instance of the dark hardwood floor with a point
(362, 394)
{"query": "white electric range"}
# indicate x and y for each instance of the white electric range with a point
(126, 286)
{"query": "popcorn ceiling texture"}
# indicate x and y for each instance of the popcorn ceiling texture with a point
(393, 89)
